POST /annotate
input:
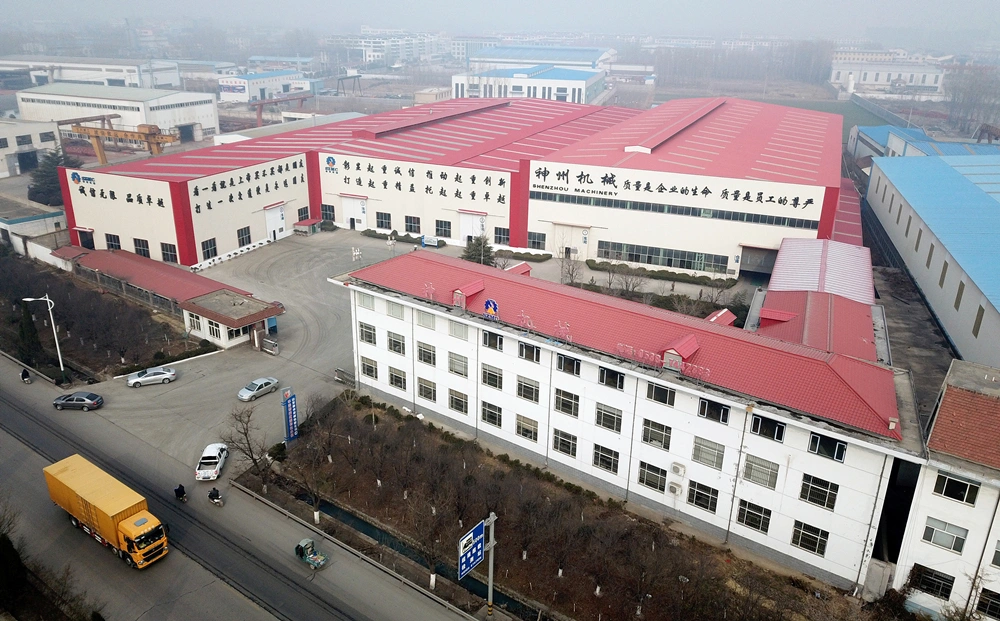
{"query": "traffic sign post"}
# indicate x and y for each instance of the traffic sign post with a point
(471, 549)
(291, 414)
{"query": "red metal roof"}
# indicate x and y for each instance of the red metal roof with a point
(829, 386)
(721, 137)
(480, 133)
(161, 278)
(847, 221)
(966, 426)
(308, 222)
(821, 320)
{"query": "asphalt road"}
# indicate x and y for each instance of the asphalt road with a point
(247, 546)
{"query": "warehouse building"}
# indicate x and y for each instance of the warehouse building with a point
(891, 141)
(787, 449)
(520, 56)
(97, 71)
(257, 86)
(706, 186)
(541, 81)
(940, 214)
(192, 116)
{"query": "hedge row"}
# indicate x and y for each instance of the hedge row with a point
(406, 239)
(204, 347)
(605, 266)
(523, 256)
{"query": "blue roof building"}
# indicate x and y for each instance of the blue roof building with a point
(891, 141)
(544, 81)
(942, 214)
(526, 55)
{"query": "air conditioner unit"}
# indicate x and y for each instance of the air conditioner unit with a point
(674, 488)
(677, 468)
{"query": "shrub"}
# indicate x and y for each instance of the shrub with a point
(278, 452)
(204, 343)
(159, 355)
(365, 400)
(327, 225)
(527, 256)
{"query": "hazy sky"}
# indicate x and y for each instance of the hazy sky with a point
(806, 18)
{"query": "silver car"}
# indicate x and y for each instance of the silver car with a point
(154, 375)
(256, 388)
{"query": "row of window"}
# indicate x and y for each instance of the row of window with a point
(668, 257)
(677, 210)
(940, 584)
(79, 104)
(214, 329)
(25, 140)
(168, 252)
(185, 104)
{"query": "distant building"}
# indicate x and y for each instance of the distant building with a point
(21, 142)
(102, 71)
(264, 64)
(430, 95)
(541, 82)
(205, 69)
(867, 56)
(255, 86)
(888, 77)
(518, 57)
(464, 47)
(890, 141)
(192, 116)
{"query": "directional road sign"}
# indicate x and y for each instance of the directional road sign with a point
(471, 549)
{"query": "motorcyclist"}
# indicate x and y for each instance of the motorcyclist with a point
(179, 491)
(25, 376)
(214, 494)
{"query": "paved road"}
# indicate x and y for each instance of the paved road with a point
(244, 542)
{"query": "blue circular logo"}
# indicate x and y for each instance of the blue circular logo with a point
(331, 162)
(75, 177)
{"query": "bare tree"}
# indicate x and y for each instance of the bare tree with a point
(307, 462)
(630, 281)
(570, 270)
(687, 306)
(10, 514)
(245, 438)
(503, 259)
(719, 291)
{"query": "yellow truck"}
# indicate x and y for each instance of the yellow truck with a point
(107, 510)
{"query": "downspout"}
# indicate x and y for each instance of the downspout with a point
(972, 589)
(736, 478)
(631, 444)
(553, 356)
(871, 520)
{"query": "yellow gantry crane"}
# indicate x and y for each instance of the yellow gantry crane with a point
(150, 134)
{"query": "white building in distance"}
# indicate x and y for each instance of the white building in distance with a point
(541, 81)
(257, 86)
(21, 144)
(100, 71)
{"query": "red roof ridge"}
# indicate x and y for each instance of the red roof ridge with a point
(657, 138)
(433, 116)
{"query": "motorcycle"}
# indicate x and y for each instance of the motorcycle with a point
(181, 497)
(25, 378)
(216, 500)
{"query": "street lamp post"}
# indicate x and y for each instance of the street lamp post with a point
(55, 335)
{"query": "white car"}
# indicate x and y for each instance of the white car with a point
(211, 462)
(155, 375)
(256, 388)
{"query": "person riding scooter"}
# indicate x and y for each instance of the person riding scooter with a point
(179, 492)
(25, 376)
(214, 495)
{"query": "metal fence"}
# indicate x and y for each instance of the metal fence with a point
(126, 289)
(889, 117)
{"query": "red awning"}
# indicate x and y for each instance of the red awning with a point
(309, 222)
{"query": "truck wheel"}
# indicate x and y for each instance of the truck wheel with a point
(128, 560)
(75, 522)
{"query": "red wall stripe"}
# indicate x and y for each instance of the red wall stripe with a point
(829, 215)
(67, 194)
(315, 183)
(518, 205)
(180, 201)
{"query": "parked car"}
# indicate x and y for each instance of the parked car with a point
(256, 388)
(211, 462)
(155, 375)
(85, 401)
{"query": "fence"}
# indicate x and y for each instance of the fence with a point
(879, 111)
(128, 290)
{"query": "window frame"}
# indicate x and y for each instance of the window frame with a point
(392, 308)
(759, 424)
(760, 471)
(458, 361)
(458, 330)
(366, 362)
(604, 414)
(367, 330)
(762, 515)
(648, 473)
(819, 492)
(397, 378)
(168, 252)
(941, 488)
(141, 247)
(564, 396)
(932, 582)
(454, 398)
(563, 361)
(442, 228)
(570, 440)
(653, 388)
(701, 451)
(243, 237)
(706, 411)
(412, 224)
(840, 447)
(703, 496)
(606, 458)
(931, 532)
(209, 249)
(611, 378)
(365, 300)
(115, 244)
(989, 602)
(802, 531)
(396, 343)
(425, 319)
(492, 340)
(426, 354)
(522, 424)
(491, 414)
(648, 432)
(425, 385)
(383, 217)
(492, 376)
(528, 389)
(523, 349)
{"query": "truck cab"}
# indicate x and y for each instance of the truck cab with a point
(141, 539)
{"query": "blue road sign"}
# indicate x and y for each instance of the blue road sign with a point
(291, 416)
(471, 549)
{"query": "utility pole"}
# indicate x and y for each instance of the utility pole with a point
(490, 521)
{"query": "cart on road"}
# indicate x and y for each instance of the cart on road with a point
(307, 553)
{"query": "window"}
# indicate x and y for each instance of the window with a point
(458, 364)
(714, 411)
(708, 453)
(458, 330)
(208, 250)
(397, 378)
(827, 447)
(536, 241)
(412, 224)
(113, 241)
(394, 309)
(909, 221)
(526, 428)
(326, 212)
(23, 141)
(168, 252)
(660, 394)
(979, 322)
(3, 143)
(425, 320)
(656, 434)
(213, 329)
(611, 378)
(47, 137)
(528, 352)
(369, 368)
(761, 472)
(195, 322)
(493, 340)
(958, 295)
(567, 402)
(492, 414)
(916, 246)
(383, 220)
(527, 389)
(956, 488)
(501, 236)
(819, 492)
(366, 333)
(442, 228)
(809, 538)
(427, 389)
(946, 535)
(141, 247)
(989, 601)
(932, 582)
(606, 459)
(243, 236)
(767, 428)
(365, 300)
(458, 401)
(397, 343)
(652, 477)
(426, 353)
(703, 496)
(564, 442)
(568, 365)
(899, 214)
(996, 555)
(944, 272)
(492, 376)
(754, 516)
(609, 418)
(930, 255)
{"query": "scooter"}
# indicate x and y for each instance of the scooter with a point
(182, 497)
(26, 379)
(218, 502)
